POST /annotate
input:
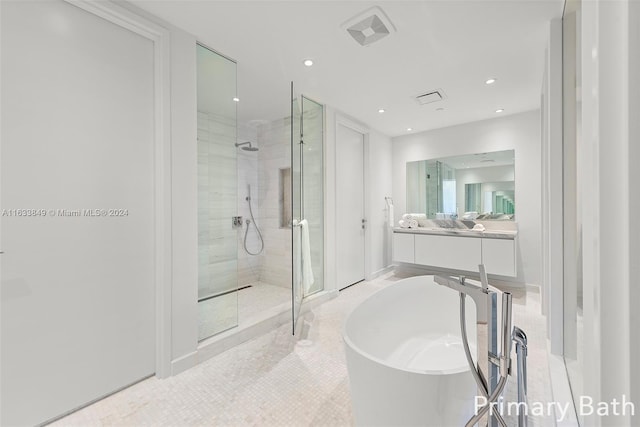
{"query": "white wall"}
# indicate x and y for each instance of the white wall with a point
(519, 132)
(380, 186)
(552, 185)
(633, 160)
(610, 108)
(184, 184)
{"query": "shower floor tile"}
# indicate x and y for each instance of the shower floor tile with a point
(226, 311)
(281, 380)
(260, 297)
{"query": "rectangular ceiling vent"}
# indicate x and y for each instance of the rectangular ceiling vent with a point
(429, 97)
(369, 26)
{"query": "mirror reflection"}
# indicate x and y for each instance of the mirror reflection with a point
(472, 186)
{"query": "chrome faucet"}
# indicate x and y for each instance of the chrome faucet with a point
(493, 367)
(481, 295)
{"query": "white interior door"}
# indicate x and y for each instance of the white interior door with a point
(350, 206)
(77, 201)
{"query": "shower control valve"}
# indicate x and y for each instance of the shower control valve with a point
(237, 221)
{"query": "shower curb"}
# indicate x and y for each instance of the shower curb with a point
(254, 327)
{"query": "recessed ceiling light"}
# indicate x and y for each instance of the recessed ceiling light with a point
(490, 81)
(409, 129)
(308, 62)
(236, 99)
(499, 110)
(381, 110)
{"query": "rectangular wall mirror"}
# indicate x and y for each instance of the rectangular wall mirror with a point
(472, 186)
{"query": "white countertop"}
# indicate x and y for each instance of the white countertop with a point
(461, 232)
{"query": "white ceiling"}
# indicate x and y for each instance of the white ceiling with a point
(450, 45)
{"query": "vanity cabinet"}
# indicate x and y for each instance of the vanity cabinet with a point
(462, 253)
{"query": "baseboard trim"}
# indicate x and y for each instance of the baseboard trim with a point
(380, 272)
(183, 363)
(561, 389)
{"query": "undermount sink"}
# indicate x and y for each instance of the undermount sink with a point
(455, 230)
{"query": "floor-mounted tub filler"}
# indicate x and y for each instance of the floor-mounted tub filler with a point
(409, 353)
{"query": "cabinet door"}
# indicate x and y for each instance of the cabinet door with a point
(455, 252)
(499, 256)
(403, 247)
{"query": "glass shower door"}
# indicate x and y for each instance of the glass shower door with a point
(312, 149)
(307, 198)
(296, 209)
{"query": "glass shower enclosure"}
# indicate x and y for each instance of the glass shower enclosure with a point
(307, 200)
(218, 234)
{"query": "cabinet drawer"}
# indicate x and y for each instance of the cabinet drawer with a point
(499, 256)
(459, 253)
(403, 249)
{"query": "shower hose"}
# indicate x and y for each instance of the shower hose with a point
(246, 232)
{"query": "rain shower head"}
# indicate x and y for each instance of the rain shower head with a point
(249, 148)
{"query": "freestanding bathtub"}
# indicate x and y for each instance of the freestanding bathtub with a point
(405, 357)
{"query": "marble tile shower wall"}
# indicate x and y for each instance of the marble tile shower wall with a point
(274, 140)
(248, 265)
(217, 203)
(222, 194)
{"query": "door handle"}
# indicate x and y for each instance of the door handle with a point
(363, 222)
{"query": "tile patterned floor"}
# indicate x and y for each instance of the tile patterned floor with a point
(281, 380)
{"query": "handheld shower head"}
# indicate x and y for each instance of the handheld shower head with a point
(249, 148)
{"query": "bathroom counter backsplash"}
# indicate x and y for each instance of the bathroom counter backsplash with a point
(492, 229)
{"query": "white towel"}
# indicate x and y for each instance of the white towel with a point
(297, 255)
(305, 248)
(470, 215)
(390, 212)
(416, 216)
(413, 223)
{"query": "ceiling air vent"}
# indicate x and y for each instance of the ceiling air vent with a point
(429, 97)
(369, 26)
